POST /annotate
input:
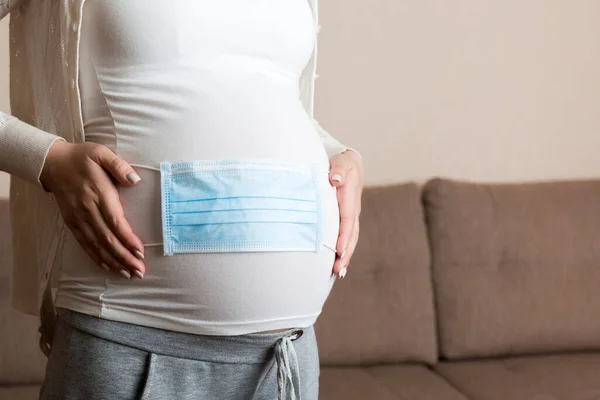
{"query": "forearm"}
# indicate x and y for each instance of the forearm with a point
(23, 148)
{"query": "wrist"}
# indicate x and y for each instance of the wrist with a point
(352, 152)
(57, 151)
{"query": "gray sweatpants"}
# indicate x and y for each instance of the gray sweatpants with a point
(98, 359)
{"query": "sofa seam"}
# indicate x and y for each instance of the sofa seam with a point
(435, 301)
(451, 384)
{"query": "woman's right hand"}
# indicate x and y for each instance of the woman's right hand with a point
(79, 177)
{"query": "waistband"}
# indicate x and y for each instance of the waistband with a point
(258, 348)
(243, 349)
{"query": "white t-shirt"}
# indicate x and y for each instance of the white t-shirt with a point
(206, 80)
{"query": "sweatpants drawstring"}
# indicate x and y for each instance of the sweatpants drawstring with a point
(288, 372)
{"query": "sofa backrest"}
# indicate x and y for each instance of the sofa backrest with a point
(21, 360)
(382, 312)
(516, 267)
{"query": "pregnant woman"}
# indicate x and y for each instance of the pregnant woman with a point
(207, 214)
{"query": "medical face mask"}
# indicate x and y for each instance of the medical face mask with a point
(241, 205)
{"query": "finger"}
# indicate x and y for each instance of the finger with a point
(116, 166)
(340, 165)
(346, 226)
(91, 242)
(91, 252)
(113, 245)
(348, 199)
(115, 265)
(341, 265)
(112, 212)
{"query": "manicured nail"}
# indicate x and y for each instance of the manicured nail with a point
(342, 273)
(336, 177)
(126, 274)
(139, 254)
(133, 177)
(343, 252)
(105, 267)
(138, 274)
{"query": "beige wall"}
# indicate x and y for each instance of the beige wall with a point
(476, 89)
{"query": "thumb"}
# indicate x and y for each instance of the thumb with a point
(338, 170)
(116, 166)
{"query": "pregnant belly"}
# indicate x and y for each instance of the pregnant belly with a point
(204, 293)
(216, 118)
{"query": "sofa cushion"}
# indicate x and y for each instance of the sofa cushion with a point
(21, 360)
(20, 392)
(26, 392)
(382, 312)
(404, 382)
(556, 377)
(516, 267)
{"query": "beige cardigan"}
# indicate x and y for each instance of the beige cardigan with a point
(46, 106)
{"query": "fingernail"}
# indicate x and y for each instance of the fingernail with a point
(126, 274)
(138, 274)
(342, 273)
(105, 267)
(133, 177)
(139, 254)
(336, 177)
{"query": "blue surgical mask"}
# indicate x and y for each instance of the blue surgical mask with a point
(241, 205)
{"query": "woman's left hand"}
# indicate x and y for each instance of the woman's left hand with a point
(347, 175)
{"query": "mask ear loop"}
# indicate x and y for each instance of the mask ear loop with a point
(154, 169)
(145, 166)
(327, 247)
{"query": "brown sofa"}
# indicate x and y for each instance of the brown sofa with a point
(457, 291)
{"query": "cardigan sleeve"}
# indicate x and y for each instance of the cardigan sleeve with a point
(23, 148)
(7, 5)
(331, 144)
